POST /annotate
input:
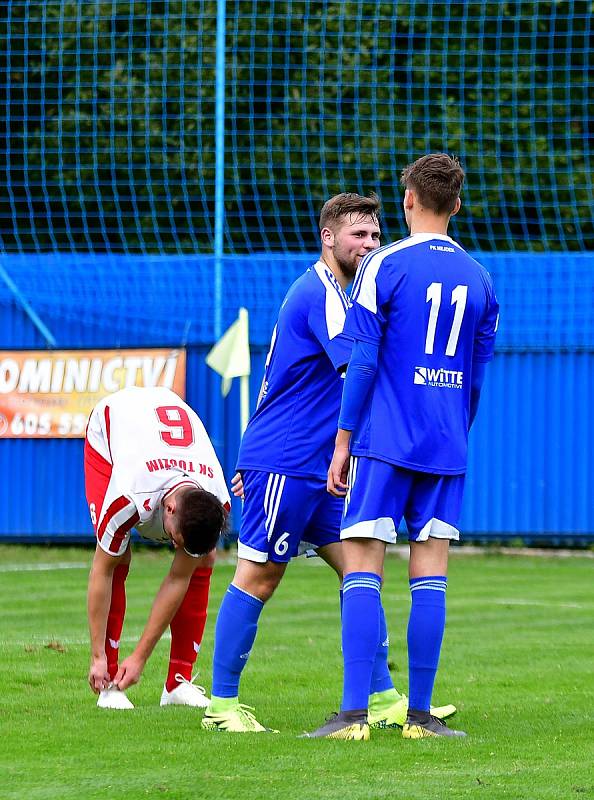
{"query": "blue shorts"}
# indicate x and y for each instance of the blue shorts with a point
(381, 494)
(283, 516)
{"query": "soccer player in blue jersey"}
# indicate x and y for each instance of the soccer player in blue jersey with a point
(423, 320)
(284, 459)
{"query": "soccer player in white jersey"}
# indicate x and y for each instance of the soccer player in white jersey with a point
(284, 459)
(149, 465)
(423, 320)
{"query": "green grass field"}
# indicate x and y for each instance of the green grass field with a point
(518, 662)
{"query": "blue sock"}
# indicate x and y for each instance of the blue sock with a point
(360, 636)
(381, 680)
(235, 632)
(426, 625)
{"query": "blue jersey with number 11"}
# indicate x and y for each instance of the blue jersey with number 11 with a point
(432, 311)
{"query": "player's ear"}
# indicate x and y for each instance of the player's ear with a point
(409, 199)
(327, 237)
(169, 505)
(456, 207)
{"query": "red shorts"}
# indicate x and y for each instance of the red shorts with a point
(112, 515)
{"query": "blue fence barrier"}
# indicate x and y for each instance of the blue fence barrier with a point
(531, 463)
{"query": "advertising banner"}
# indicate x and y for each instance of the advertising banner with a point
(47, 394)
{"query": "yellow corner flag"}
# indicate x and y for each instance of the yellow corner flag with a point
(230, 356)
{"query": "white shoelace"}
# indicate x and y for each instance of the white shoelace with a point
(180, 678)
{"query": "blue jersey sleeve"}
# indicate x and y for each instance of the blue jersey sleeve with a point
(326, 322)
(358, 382)
(484, 341)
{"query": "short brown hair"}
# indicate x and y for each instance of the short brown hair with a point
(202, 518)
(437, 181)
(346, 203)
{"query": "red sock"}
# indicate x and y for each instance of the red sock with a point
(187, 628)
(115, 618)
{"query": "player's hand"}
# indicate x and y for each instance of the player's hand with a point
(129, 672)
(237, 485)
(338, 473)
(98, 675)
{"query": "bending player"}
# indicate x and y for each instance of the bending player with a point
(424, 317)
(284, 459)
(149, 464)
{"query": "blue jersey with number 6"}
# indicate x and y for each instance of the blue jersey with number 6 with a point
(432, 310)
(293, 429)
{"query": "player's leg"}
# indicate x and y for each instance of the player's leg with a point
(269, 536)
(363, 568)
(110, 569)
(235, 633)
(323, 533)
(237, 623)
(106, 605)
(431, 514)
(428, 582)
(117, 612)
(187, 629)
(387, 706)
(367, 526)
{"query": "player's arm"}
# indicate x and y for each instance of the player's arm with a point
(358, 382)
(167, 601)
(98, 603)
(484, 346)
(261, 392)
(476, 383)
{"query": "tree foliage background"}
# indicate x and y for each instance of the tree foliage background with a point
(110, 118)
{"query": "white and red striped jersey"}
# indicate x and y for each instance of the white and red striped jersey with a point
(142, 443)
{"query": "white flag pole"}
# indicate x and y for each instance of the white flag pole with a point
(244, 385)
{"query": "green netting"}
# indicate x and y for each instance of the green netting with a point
(109, 138)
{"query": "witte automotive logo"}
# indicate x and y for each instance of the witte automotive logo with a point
(450, 378)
